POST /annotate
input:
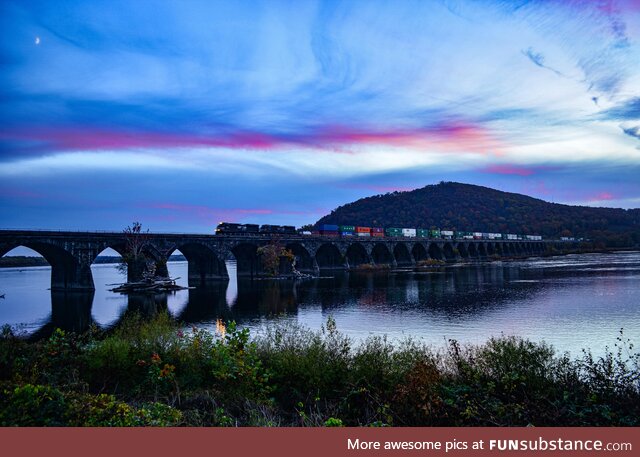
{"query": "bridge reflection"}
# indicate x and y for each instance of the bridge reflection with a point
(449, 291)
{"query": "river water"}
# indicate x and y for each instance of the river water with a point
(571, 302)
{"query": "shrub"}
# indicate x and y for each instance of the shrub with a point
(32, 406)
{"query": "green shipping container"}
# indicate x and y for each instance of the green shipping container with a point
(422, 233)
(434, 233)
(393, 232)
(346, 228)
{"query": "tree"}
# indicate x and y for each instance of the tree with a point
(134, 262)
(271, 255)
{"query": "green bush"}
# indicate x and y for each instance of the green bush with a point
(105, 411)
(32, 406)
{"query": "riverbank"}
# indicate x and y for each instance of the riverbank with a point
(153, 373)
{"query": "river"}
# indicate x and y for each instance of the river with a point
(571, 302)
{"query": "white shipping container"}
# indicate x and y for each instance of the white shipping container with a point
(477, 235)
(363, 233)
(446, 233)
(511, 236)
(408, 232)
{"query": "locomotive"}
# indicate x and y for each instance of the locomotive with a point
(229, 228)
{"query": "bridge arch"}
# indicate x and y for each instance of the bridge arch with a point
(419, 252)
(402, 255)
(381, 255)
(490, 249)
(435, 252)
(328, 257)
(247, 259)
(448, 251)
(482, 250)
(473, 251)
(304, 260)
(67, 270)
(463, 250)
(357, 255)
(205, 265)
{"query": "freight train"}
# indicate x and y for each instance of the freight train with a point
(365, 232)
(350, 230)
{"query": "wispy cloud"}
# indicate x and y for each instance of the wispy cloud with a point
(632, 131)
(629, 110)
(538, 59)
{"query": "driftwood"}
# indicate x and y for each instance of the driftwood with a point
(149, 285)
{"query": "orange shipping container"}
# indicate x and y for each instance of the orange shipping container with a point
(363, 229)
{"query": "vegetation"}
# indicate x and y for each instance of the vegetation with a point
(430, 263)
(154, 373)
(134, 262)
(22, 261)
(273, 255)
(372, 266)
(465, 207)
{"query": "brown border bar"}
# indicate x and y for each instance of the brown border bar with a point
(298, 442)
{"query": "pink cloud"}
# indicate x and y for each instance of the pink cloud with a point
(446, 136)
(602, 196)
(70, 139)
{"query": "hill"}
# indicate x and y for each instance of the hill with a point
(466, 207)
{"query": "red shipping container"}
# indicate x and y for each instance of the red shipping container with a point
(363, 229)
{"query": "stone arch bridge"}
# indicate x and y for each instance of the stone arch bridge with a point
(71, 254)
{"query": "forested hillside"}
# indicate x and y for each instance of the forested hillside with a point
(466, 207)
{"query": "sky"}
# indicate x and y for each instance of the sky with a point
(182, 114)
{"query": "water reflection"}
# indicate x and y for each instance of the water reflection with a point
(572, 302)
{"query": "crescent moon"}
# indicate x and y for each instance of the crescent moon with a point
(37, 40)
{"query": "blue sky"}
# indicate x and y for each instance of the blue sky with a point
(183, 114)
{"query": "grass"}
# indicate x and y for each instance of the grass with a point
(155, 373)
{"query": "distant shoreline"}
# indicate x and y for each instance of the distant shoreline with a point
(25, 261)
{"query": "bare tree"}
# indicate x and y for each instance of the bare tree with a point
(133, 255)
